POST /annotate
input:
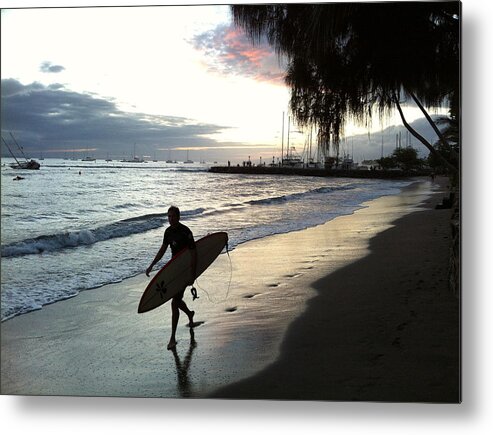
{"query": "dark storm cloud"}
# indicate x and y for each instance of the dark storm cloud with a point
(54, 118)
(229, 51)
(12, 87)
(48, 67)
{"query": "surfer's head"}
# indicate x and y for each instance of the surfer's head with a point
(173, 215)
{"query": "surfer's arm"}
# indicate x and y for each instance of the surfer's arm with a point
(158, 257)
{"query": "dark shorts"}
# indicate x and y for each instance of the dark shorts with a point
(179, 296)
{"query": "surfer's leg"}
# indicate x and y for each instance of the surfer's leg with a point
(187, 311)
(175, 315)
(183, 306)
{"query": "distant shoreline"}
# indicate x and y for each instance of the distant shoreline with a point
(315, 172)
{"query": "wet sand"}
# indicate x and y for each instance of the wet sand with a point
(385, 328)
(329, 313)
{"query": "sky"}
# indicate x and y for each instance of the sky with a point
(163, 81)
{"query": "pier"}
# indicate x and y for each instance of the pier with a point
(316, 172)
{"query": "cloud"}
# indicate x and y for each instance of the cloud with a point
(227, 50)
(53, 118)
(48, 67)
(11, 87)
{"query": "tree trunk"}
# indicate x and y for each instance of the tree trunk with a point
(434, 126)
(430, 147)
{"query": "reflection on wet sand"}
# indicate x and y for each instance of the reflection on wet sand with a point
(184, 386)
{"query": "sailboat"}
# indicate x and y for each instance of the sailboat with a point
(135, 159)
(88, 158)
(312, 162)
(169, 158)
(188, 160)
(27, 164)
(292, 159)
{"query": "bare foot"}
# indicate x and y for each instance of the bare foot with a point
(171, 344)
(190, 319)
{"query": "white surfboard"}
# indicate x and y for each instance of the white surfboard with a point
(176, 273)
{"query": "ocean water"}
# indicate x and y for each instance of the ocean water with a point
(63, 232)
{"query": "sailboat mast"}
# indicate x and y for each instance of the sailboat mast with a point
(18, 146)
(11, 153)
(287, 150)
(310, 144)
(282, 139)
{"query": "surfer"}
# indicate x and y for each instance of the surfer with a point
(178, 236)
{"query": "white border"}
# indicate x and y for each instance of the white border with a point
(55, 415)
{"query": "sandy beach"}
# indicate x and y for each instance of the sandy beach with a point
(384, 328)
(355, 309)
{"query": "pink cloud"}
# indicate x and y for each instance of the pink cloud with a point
(228, 50)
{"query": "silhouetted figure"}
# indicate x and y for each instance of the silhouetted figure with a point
(179, 237)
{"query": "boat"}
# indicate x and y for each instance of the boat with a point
(188, 160)
(311, 162)
(135, 159)
(27, 164)
(30, 164)
(88, 159)
(347, 163)
(170, 160)
(292, 159)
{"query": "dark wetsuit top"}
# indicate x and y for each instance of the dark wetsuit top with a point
(178, 238)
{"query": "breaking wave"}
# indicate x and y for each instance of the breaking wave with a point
(73, 239)
(137, 225)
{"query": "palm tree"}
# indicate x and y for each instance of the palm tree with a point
(348, 60)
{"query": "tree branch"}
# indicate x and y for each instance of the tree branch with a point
(422, 139)
(434, 126)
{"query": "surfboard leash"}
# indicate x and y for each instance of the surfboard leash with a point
(194, 290)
